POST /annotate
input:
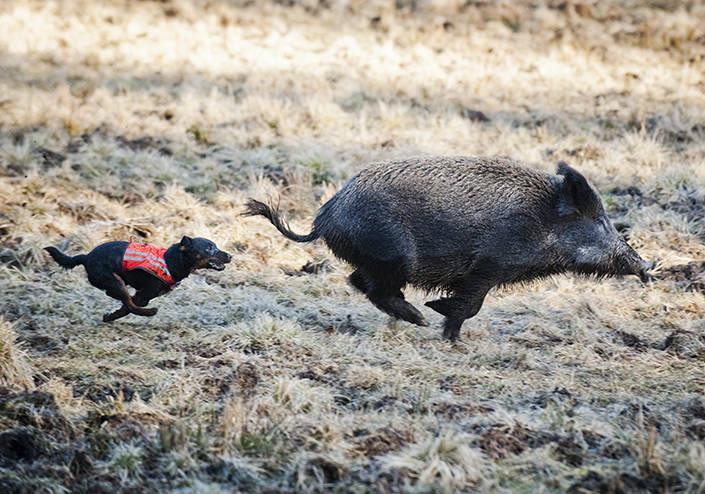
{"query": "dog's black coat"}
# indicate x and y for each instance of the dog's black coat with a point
(105, 271)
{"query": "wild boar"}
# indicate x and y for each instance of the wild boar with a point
(460, 226)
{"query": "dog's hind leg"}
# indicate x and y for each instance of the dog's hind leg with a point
(115, 287)
(117, 314)
(140, 299)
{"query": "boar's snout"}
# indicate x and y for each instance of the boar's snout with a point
(632, 263)
(645, 271)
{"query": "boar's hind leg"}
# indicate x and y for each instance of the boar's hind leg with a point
(358, 281)
(399, 308)
(387, 297)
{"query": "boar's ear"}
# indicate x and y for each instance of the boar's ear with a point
(575, 192)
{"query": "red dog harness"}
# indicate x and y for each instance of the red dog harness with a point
(149, 258)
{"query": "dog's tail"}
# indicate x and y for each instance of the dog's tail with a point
(257, 208)
(66, 261)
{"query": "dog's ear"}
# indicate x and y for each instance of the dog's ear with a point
(185, 243)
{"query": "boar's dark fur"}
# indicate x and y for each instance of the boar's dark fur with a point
(463, 225)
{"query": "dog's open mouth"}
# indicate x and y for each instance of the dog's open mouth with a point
(216, 264)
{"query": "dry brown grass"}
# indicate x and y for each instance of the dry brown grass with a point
(15, 371)
(157, 119)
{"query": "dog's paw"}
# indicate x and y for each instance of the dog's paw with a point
(108, 317)
(150, 312)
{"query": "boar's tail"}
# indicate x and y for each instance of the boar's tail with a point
(66, 261)
(257, 208)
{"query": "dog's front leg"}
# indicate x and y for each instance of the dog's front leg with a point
(148, 292)
(116, 288)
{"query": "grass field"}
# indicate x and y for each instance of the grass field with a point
(158, 119)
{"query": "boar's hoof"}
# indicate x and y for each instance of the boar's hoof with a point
(444, 306)
(451, 329)
(409, 313)
(421, 321)
(401, 309)
(392, 302)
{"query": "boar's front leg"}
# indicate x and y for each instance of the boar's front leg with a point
(465, 302)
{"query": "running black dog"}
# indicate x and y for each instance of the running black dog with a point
(151, 270)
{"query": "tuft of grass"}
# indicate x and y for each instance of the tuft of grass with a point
(299, 396)
(15, 369)
(445, 463)
(126, 461)
(264, 332)
(200, 135)
(319, 171)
